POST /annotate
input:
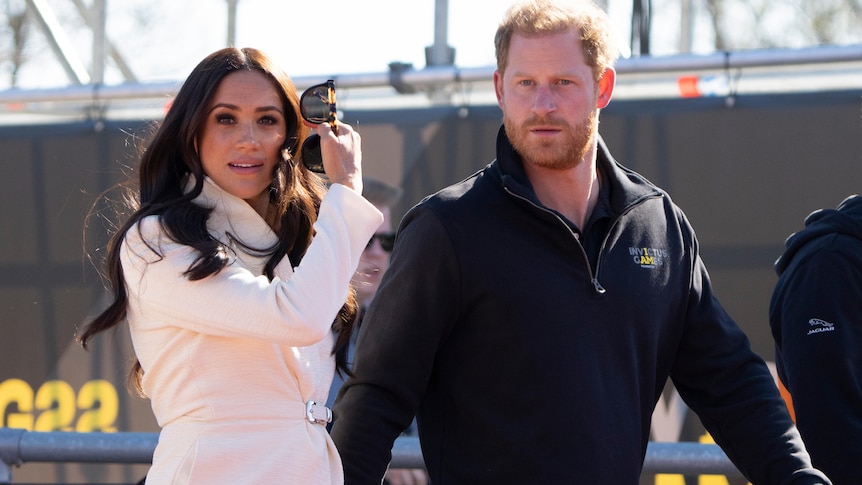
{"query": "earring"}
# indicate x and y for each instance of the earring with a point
(285, 156)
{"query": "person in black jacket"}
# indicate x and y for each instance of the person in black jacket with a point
(532, 314)
(816, 321)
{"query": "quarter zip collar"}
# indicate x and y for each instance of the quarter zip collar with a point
(623, 188)
(626, 187)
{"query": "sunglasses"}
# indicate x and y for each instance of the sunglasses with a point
(386, 239)
(316, 106)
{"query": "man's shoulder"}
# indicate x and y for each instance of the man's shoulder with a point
(466, 192)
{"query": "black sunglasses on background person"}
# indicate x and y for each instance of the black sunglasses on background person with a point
(386, 239)
(317, 105)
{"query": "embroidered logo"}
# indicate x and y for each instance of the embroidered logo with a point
(818, 325)
(648, 257)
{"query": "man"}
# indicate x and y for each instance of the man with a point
(816, 320)
(533, 312)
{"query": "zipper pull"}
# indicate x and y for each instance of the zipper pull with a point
(598, 286)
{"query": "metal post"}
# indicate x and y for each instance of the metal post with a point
(98, 12)
(641, 26)
(231, 22)
(686, 27)
(119, 61)
(440, 53)
(75, 70)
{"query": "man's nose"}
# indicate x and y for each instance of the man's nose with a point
(544, 102)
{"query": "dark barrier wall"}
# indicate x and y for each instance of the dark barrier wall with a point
(52, 176)
(746, 176)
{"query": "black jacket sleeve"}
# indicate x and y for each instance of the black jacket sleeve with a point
(732, 391)
(409, 317)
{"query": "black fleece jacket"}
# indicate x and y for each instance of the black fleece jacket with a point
(526, 365)
(816, 320)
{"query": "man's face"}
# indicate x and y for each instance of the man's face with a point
(373, 262)
(550, 99)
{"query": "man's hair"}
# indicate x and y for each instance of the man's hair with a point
(539, 17)
(379, 192)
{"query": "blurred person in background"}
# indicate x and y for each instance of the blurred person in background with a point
(232, 271)
(816, 321)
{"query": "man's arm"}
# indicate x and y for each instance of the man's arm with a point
(732, 391)
(409, 318)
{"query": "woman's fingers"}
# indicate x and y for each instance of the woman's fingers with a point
(342, 155)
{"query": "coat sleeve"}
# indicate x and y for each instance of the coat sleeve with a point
(412, 313)
(732, 391)
(817, 310)
(296, 308)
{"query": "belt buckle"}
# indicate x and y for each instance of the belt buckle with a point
(317, 413)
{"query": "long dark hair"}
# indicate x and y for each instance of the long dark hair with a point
(171, 157)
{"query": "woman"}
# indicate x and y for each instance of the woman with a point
(231, 271)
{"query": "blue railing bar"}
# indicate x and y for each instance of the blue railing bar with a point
(688, 459)
(18, 446)
(406, 453)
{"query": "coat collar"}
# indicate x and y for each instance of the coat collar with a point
(235, 223)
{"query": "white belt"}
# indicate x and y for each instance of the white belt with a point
(317, 413)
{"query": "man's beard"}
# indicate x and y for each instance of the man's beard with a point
(554, 154)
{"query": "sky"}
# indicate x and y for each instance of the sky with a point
(162, 40)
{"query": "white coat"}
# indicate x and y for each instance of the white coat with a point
(231, 360)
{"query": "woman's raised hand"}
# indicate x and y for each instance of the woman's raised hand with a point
(342, 155)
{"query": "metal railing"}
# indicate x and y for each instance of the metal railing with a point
(18, 446)
(406, 79)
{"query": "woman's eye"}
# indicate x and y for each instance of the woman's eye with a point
(224, 119)
(269, 120)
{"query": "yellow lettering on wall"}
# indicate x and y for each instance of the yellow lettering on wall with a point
(669, 479)
(55, 406)
(56, 400)
(101, 404)
(18, 392)
(712, 480)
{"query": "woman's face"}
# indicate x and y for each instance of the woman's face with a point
(242, 136)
